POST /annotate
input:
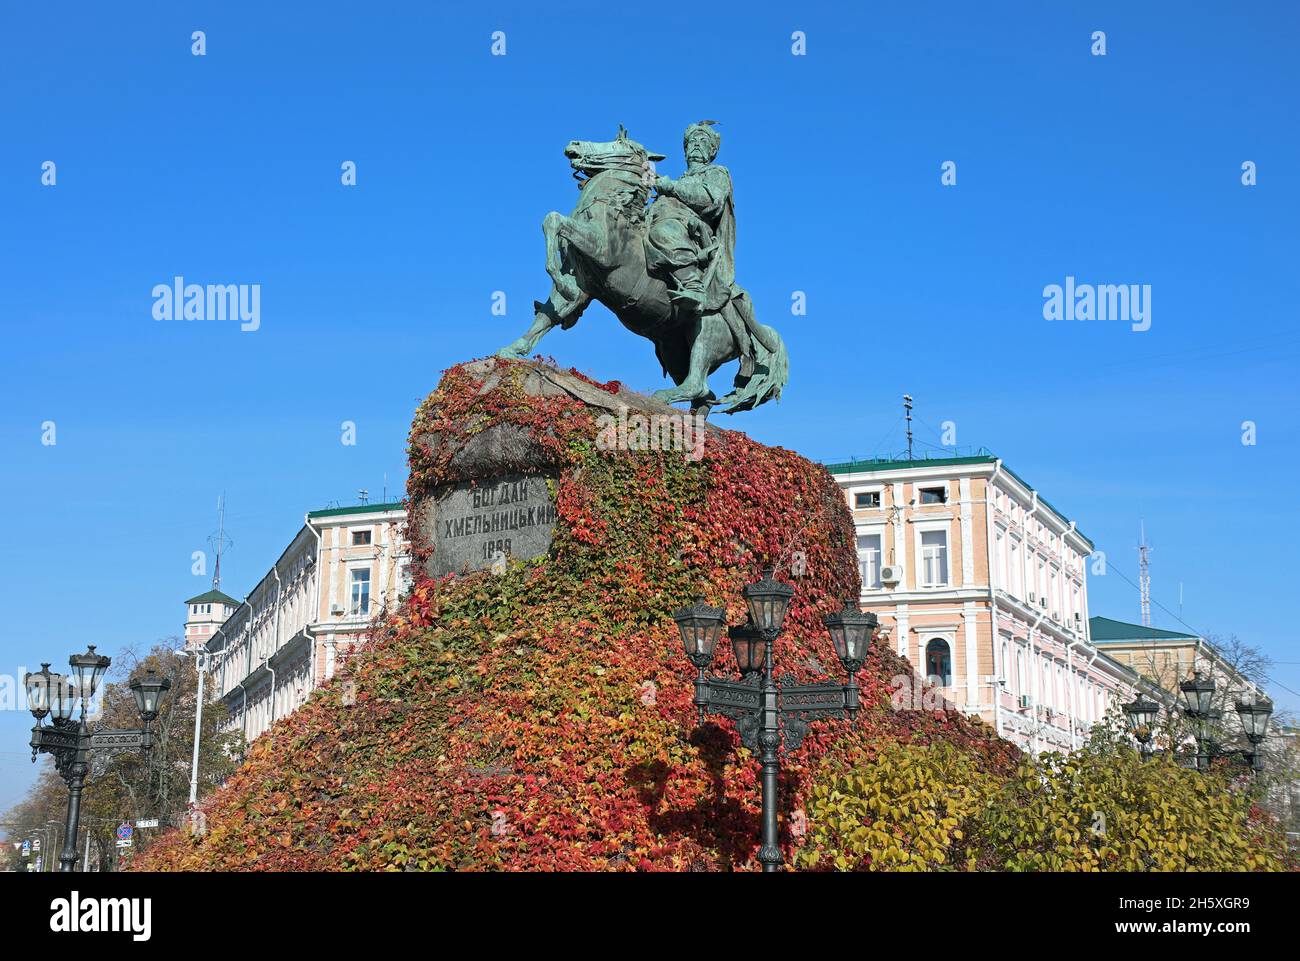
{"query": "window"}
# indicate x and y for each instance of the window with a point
(360, 538)
(869, 561)
(938, 662)
(934, 495)
(864, 500)
(934, 558)
(361, 591)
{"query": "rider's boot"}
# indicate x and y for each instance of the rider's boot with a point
(690, 294)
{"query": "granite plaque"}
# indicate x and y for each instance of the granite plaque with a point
(481, 522)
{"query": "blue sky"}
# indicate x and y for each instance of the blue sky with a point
(225, 169)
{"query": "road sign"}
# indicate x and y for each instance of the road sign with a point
(124, 844)
(146, 823)
(124, 831)
(27, 848)
(36, 844)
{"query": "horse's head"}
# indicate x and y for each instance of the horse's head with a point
(590, 157)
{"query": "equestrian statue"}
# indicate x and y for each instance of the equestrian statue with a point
(666, 269)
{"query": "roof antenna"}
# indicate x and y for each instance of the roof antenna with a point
(219, 541)
(907, 411)
(364, 496)
(1144, 577)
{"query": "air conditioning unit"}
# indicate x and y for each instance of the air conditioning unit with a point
(1033, 598)
(336, 609)
(1042, 602)
(1026, 701)
(891, 574)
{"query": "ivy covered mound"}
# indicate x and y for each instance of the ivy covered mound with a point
(541, 717)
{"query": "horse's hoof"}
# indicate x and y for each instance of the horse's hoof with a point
(510, 353)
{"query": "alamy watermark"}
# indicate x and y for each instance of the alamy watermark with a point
(181, 301)
(1073, 301)
(641, 432)
(13, 693)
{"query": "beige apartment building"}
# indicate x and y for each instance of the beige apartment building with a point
(296, 626)
(982, 585)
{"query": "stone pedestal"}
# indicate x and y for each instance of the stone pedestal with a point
(492, 494)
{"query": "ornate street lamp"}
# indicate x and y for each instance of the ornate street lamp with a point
(1141, 717)
(1198, 695)
(699, 626)
(768, 601)
(770, 714)
(148, 691)
(749, 644)
(1254, 723)
(71, 742)
(88, 669)
(39, 685)
(850, 631)
(1198, 698)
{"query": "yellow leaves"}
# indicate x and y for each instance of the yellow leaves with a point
(900, 811)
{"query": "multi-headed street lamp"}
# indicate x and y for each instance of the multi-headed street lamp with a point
(70, 741)
(771, 712)
(1198, 701)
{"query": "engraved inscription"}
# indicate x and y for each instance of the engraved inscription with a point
(473, 524)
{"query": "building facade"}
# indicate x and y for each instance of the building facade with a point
(297, 625)
(981, 584)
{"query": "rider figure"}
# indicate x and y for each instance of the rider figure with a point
(692, 235)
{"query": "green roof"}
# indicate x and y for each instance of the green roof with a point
(212, 596)
(984, 456)
(893, 463)
(358, 509)
(1107, 630)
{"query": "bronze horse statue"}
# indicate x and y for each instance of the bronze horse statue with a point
(598, 252)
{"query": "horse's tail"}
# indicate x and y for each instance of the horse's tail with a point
(771, 372)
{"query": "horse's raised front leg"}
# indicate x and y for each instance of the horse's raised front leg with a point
(556, 311)
(561, 276)
(590, 238)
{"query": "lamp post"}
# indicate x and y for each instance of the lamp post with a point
(70, 741)
(769, 712)
(1254, 722)
(202, 664)
(1198, 707)
(1198, 698)
(1141, 717)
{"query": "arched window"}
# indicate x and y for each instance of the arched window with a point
(938, 662)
